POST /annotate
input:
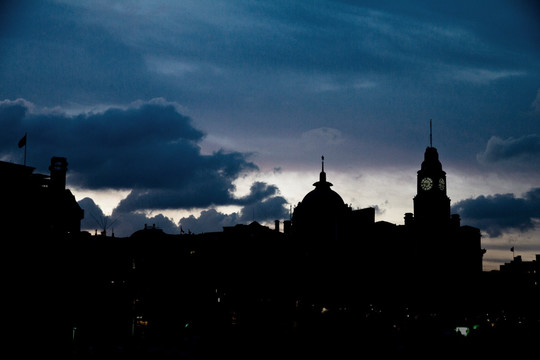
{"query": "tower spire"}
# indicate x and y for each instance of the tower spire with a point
(430, 135)
(322, 176)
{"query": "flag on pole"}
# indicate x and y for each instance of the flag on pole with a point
(22, 142)
(512, 249)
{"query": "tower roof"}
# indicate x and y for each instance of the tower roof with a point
(431, 156)
(431, 160)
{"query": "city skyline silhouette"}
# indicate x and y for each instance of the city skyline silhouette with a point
(164, 192)
(232, 189)
(253, 95)
(250, 290)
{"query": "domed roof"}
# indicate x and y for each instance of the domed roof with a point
(322, 197)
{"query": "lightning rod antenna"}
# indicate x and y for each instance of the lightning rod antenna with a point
(430, 135)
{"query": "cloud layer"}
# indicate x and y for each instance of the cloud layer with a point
(253, 69)
(501, 212)
(524, 150)
(148, 148)
(292, 80)
(267, 210)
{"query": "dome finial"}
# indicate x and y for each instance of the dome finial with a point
(322, 177)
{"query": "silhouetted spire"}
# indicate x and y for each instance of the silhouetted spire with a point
(431, 156)
(322, 176)
(430, 135)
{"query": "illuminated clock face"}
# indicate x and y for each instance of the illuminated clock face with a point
(441, 184)
(426, 183)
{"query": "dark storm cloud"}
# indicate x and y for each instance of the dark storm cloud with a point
(121, 51)
(258, 191)
(150, 148)
(121, 223)
(501, 212)
(49, 55)
(94, 218)
(266, 210)
(210, 189)
(126, 223)
(261, 204)
(150, 145)
(209, 220)
(260, 67)
(259, 74)
(310, 37)
(523, 150)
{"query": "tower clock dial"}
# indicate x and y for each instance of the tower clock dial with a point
(426, 183)
(442, 184)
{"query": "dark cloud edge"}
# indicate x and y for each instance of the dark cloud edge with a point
(127, 156)
(124, 223)
(518, 151)
(500, 213)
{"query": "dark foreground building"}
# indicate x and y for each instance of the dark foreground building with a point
(40, 224)
(334, 283)
(38, 205)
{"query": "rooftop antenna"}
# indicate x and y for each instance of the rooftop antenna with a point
(430, 135)
(322, 158)
(103, 222)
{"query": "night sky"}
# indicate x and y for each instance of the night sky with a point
(204, 114)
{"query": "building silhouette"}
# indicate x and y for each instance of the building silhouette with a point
(38, 205)
(430, 257)
(40, 224)
(334, 282)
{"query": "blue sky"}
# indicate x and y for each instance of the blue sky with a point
(209, 113)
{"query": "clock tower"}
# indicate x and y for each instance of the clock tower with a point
(431, 204)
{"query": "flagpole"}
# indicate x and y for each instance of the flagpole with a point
(25, 146)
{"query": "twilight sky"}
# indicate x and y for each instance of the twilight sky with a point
(211, 113)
